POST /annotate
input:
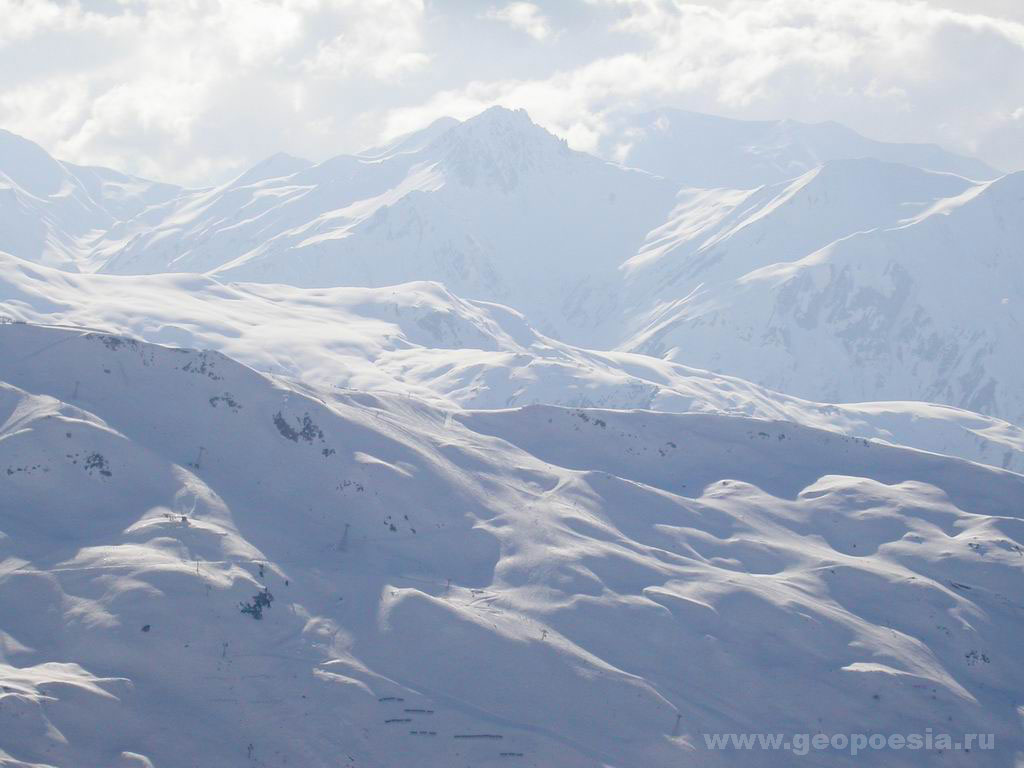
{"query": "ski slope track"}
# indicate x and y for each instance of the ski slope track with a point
(204, 565)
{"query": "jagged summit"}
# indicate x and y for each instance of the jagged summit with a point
(499, 115)
(497, 147)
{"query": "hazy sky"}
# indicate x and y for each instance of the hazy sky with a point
(193, 90)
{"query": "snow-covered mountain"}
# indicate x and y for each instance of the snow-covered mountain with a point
(419, 339)
(52, 212)
(889, 276)
(485, 207)
(397, 458)
(707, 151)
(200, 565)
(713, 234)
(919, 300)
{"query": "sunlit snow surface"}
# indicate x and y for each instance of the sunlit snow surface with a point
(419, 339)
(475, 508)
(594, 587)
(804, 258)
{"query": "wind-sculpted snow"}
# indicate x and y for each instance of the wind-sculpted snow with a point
(281, 574)
(485, 207)
(52, 212)
(721, 233)
(927, 308)
(840, 269)
(419, 339)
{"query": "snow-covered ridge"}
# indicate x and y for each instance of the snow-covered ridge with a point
(290, 577)
(719, 233)
(708, 151)
(422, 340)
(482, 206)
(53, 212)
(925, 307)
(860, 271)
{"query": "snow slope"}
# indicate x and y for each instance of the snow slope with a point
(51, 211)
(926, 307)
(719, 233)
(485, 207)
(420, 339)
(707, 151)
(862, 279)
(444, 590)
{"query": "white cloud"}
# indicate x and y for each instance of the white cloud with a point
(524, 17)
(901, 71)
(382, 38)
(193, 90)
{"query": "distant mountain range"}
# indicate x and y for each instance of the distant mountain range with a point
(419, 339)
(473, 449)
(706, 151)
(804, 258)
